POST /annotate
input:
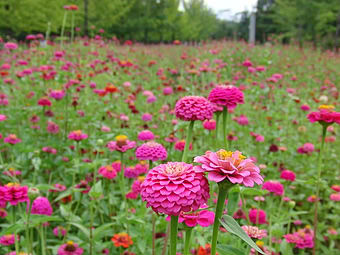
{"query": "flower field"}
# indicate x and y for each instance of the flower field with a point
(223, 147)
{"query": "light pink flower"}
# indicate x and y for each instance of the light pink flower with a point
(255, 232)
(229, 165)
(12, 139)
(151, 151)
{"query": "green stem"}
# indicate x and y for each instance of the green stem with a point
(91, 225)
(222, 194)
(225, 114)
(218, 114)
(28, 239)
(173, 234)
(324, 130)
(188, 140)
(187, 241)
(63, 29)
(153, 233)
(122, 180)
(150, 164)
(42, 239)
(72, 27)
(15, 233)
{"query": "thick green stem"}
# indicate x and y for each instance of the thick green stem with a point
(188, 140)
(187, 241)
(225, 115)
(63, 29)
(153, 233)
(324, 130)
(173, 234)
(222, 194)
(218, 114)
(42, 240)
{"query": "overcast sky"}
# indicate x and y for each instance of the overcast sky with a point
(234, 6)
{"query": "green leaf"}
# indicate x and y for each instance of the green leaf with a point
(96, 191)
(82, 228)
(12, 229)
(229, 250)
(286, 248)
(101, 229)
(233, 227)
(253, 192)
(63, 194)
(233, 198)
(38, 219)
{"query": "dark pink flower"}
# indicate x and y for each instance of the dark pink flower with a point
(257, 216)
(8, 240)
(146, 135)
(77, 135)
(192, 108)
(209, 124)
(302, 239)
(274, 187)
(227, 96)
(151, 151)
(107, 172)
(14, 193)
(288, 175)
(12, 139)
(121, 144)
(175, 187)
(41, 206)
(70, 248)
(324, 116)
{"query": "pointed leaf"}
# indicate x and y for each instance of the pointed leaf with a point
(82, 228)
(233, 198)
(228, 250)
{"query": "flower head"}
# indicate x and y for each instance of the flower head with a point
(14, 193)
(70, 248)
(175, 187)
(257, 216)
(122, 239)
(204, 218)
(274, 187)
(325, 115)
(12, 139)
(121, 144)
(254, 232)
(107, 172)
(7, 240)
(228, 96)
(192, 108)
(77, 135)
(146, 135)
(41, 206)
(229, 165)
(288, 175)
(302, 239)
(151, 151)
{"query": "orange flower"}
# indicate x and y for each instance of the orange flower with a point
(122, 239)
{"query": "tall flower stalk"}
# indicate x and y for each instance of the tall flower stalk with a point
(188, 140)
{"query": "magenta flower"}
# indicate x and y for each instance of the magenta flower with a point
(288, 175)
(7, 240)
(227, 96)
(70, 248)
(192, 108)
(335, 197)
(229, 165)
(107, 172)
(59, 231)
(3, 117)
(242, 120)
(57, 94)
(13, 193)
(274, 187)
(77, 135)
(175, 187)
(151, 151)
(52, 127)
(204, 218)
(257, 216)
(325, 115)
(12, 139)
(11, 45)
(121, 144)
(146, 135)
(41, 206)
(255, 232)
(302, 239)
(209, 124)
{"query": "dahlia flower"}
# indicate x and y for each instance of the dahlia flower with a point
(175, 187)
(227, 96)
(151, 151)
(229, 165)
(191, 108)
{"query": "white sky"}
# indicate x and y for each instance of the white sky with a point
(234, 6)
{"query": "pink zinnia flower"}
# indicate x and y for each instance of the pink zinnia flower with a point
(255, 232)
(59, 231)
(242, 120)
(335, 197)
(147, 117)
(121, 144)
(49, 150)
(204, 218)
(41, 206)
(13, 193)
(52, 127)
(57, 94)
(288, 175)
(107, 172)
(302, 239)
(58, 188)
(7, 240)
(274, 187)
(175, 187)
(257, 216)
(192, 108)
(229, 165)
(167, 91)
(11, 45)
(209, 124)
(70, 248)
(77, 135)
(305, 107)
(179, 145)
(146, 135)
(325, 116)
(12, 139)
(336, 188)
(227, 96)
(3, 117)
(151, 151)
(44, 101)
(3, 212)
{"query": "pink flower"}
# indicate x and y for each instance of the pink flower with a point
(335, 197)
(146, 135)
(247, 63)
(255, 232)
(13, 193)
(105, 129)
(70, 248)
(288, 175)
(3, 213)
(227, 96)
(274, 187)
(77, 135)
(259, 138)
(58, 188)
(305, 107)
(52, 127)
(57, 94)
(175, 187)
(147, 117)
(121, 144)
(204, 218)
(336, 188)
(151, 151)
(12, 139)
(130, 172)
(167, 91)
(41, 206)
(11, 45)
(257, 216)
(7, 240)
(192, 108)
(209, 124)
(107, 172)
(44, 101)
(179, 145)
(3, 117)
(229, 165)
(242, 120)
(59, 231)
(302, 239)
(324, 116)
(49, 150)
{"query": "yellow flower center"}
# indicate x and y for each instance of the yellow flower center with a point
(223, 154)
(121, 138)
(109, 168)
(78, 132)
(259, 243)
(141, 178)
(143, 162)
(326, 107)
(70, 243)
(12, 184)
